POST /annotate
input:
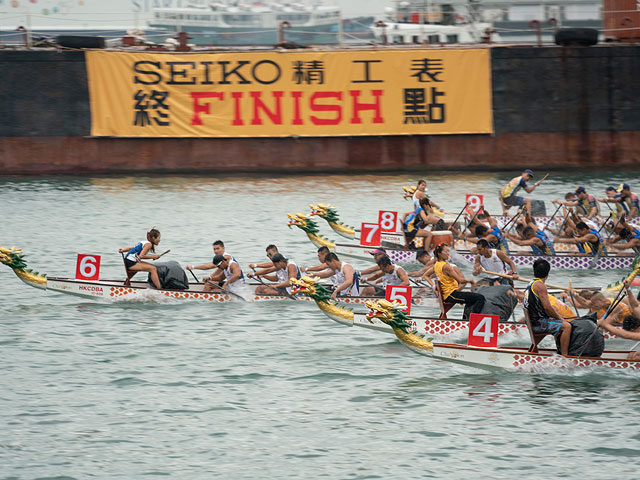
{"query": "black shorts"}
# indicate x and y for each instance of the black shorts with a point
(129, 263)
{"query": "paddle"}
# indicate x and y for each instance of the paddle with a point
(266, 285)
(543, 179)
(520, 279)
(163, 253)
(504, 229)
(461, 212)
(598, 254)
(235, 295)
(552, 217)
(573, 302)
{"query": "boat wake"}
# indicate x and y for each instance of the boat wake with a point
(146, 296)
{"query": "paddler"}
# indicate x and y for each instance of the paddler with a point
(587, 238)
(343, 276)
(140, 251)
(584, 203)
(452, 281)
(630, 324)
(494, 236)
(599, 303)
(631, 240)
(425, 259)
(508, 197)
(231, 273)
(414, 224)
(616, 198)
(284, 270)
(271, 250)
(493, 260)
(217, 276)
(389, 274)
(545, 319)
(419, 194)
(536, 239)
(322, 254)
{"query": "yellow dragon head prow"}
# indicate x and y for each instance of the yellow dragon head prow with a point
(14, 259)
(304, 223)
(322, 296)
(409, 191)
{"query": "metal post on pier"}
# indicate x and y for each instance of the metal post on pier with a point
(536, 24)
(281, 30)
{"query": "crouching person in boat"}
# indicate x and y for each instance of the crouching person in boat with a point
(598, 303)
(536, 239)
(140, 251)
(544, 317)
(284, 270)
(233, 278)
(588, 239)
(343, 276)
(630, 324)
(389, 274)
(452, 281)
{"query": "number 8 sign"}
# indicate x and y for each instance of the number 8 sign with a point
(483, 330)
(401, 294)
(387, 221)
(88, 267)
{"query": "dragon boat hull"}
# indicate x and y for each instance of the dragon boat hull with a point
(520, 359)
(433, 326)
(561, 261)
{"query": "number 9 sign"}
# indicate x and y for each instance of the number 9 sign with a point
(401, 294)
(474, 202)
(88, 267)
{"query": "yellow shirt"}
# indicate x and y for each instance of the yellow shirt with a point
(561, 307)
(448, 284)
(623, 313)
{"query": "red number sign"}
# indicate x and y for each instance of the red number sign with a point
(474, 202)
(370, 235)
(88, 267)
(387, 221)
(483, 330)
(401, 294)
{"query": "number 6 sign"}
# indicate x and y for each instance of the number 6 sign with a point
(401, 294)
(483, 330)
(88, 267)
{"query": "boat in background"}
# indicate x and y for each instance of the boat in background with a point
(235, 23)
(420, 22)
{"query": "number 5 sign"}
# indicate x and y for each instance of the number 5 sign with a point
(483, 330)
(88, 267)
(474, 202)
(370, 235)
(401, 294)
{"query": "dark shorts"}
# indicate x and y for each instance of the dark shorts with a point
(547, 325)
(513, 201)
(379, 291)
(129, 263)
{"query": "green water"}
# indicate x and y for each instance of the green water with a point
(159, 388)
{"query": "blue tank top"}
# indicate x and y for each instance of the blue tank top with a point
(501, 244)
(547, 249)
(134, 253)
(596, 247)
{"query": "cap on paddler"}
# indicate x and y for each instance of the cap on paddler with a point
(580, 190)
(611, 189)
(625, 186)
(377, 251)
(530, 172)
(278, 257)
(217, 260)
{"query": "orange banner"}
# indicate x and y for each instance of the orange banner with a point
(271, 94)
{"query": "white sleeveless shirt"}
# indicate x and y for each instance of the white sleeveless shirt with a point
(338, 279)
(493, 263)
(283, 274)
(392, 278)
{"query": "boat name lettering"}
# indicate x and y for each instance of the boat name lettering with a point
(91, 288)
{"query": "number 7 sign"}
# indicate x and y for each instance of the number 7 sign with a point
(483, 330)
(370, 235)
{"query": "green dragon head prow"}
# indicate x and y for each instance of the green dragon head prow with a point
(14, 259)
(310, 287)
(303, 222)
(391, 313)
(635, 271)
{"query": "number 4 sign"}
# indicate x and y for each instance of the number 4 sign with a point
(88, 267)
(401, 294)
(483, 330)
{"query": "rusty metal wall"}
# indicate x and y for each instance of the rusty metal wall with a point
(553, 106)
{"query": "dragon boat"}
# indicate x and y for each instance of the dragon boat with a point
(498, 358)
(310, 288)
(116, 289)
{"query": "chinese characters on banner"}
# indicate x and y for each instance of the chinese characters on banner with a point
(256, 94)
